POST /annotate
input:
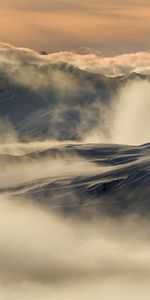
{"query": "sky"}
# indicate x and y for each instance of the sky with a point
(108, 26)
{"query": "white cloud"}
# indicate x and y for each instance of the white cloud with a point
(110, 66)
(131, 121)
(94, 62)
(46, 255)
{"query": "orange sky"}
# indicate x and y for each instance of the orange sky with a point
(111, 26)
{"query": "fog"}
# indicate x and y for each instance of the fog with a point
(88, 60)
(45, 251)
(43, 168)
(43, 254)
(67, 105)
(131, 122)
(126, 120)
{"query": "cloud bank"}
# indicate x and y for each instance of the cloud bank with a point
(93, 62)
(45, 255)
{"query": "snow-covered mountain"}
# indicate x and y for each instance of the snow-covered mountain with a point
(83, 178)
(62, 98)
(70, 104)
(59, 96)
(74, 175)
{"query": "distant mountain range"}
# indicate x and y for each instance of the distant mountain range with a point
(57, 101)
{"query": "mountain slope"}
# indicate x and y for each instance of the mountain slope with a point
(110, 178)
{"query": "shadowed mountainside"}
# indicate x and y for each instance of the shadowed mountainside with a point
(109, 178)
(62, 102)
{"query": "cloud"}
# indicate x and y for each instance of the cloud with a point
(66, 5)
(131, 122)
(110, 66)
(46, 254)
(94, 62)
(60, 25)
(43, 254)
(63, 102)
(126, 120)
(43, 168)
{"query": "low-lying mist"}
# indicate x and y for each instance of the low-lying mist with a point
(44, 255)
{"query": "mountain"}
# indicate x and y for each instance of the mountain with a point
(45, 100)
(56, 101)
(84, 178)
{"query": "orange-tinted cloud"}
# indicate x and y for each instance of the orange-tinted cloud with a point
(110, 26)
